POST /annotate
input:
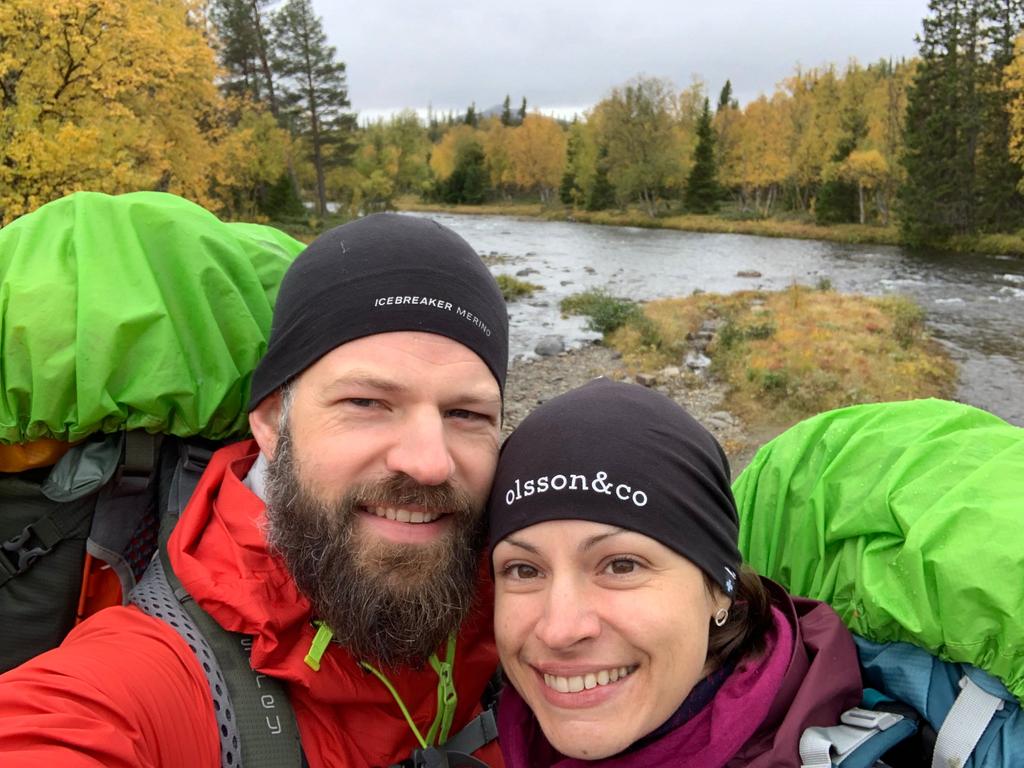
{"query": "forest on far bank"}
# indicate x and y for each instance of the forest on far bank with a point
(244, 108)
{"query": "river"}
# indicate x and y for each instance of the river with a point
(974, 302)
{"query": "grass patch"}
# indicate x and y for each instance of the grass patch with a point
(791, 354)
(512, 288)
(508, 208)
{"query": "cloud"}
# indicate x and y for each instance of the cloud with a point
(450, 53)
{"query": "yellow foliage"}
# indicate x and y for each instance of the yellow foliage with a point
(763, 142)
(442, 159)
(496, 140)
(536, 153)
(865, 167)
(108, 95)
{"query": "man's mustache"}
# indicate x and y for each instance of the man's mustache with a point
(400, 490)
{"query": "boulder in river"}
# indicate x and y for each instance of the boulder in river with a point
(550, 345)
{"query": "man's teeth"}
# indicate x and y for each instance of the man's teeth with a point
(404, 515)
(590, 680)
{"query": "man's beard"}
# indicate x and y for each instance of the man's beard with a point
(390, 603)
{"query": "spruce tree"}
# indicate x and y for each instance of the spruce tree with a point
(1000, 204)
(602, 193)
(506, 111)
(315, 92)
(569, 191)
(702, 191)
(959, 178)
(471, 118)
(725, 98)
(468, 182)
(522, 111)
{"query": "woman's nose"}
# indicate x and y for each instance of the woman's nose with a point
(569, 617)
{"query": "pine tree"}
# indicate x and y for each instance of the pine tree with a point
(471, 117)
(315, 92)
(702, 191)
(522, 111)
(506, 111)
(244, 49)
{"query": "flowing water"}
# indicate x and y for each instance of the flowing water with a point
(974, 302)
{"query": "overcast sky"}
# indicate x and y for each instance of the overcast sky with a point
(567, 54)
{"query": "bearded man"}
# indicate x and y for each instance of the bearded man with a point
(345, 540)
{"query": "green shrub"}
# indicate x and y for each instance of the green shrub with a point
(907, 319)
(607, 313)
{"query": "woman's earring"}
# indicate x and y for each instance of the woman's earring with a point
(721, 617)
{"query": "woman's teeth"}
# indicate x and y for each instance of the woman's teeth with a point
(578, 683)
(404, 515)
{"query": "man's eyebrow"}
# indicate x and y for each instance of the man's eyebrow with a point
(478, 398)
(367, 379)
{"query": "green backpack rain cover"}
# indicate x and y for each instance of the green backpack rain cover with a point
(137, 311)
(907, 518)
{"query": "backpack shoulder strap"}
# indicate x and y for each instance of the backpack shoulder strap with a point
(256, 723)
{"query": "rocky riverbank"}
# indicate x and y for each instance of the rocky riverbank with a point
(536, 380)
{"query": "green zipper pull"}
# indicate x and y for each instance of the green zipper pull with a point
(319, 645)
(447, 696)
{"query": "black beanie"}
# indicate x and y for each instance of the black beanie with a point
(622, 455)
(382, 273)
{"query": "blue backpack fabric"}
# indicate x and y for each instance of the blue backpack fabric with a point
(906, 673)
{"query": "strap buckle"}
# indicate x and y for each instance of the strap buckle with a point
(17, 546)
(869, 718)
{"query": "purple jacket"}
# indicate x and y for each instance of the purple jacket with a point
(808, 676)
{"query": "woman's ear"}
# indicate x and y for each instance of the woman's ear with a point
(264, 420)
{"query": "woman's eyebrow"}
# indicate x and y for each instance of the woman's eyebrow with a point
(593, 541)
(522, 545)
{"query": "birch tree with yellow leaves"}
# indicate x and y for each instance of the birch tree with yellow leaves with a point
(108, 95)
(536, 154)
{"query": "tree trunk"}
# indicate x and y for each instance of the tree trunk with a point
(261, 45)
(860, 200)
(648, 199)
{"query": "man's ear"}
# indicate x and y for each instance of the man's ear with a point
(264, 420)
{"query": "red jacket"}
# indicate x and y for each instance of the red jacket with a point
(125, 690)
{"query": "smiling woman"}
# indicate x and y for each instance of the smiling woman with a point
(631, 633)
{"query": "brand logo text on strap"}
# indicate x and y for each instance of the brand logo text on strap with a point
(598, 484)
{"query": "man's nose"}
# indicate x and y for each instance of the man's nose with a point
(421, 450)
(569, 617)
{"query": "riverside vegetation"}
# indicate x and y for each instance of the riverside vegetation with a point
(255, 124)
(784, 355)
